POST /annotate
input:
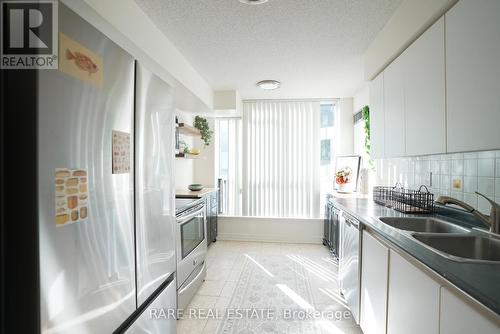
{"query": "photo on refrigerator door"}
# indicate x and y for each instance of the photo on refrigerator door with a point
(71, 195)
(79, 62)
(121, 152)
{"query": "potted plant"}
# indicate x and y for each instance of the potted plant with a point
(202, 124)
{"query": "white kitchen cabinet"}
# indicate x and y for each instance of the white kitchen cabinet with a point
(374, 275)
(424, 93)
(377, 121)
(473, 75)
(394, 107)
(458, 317)
(413, 299)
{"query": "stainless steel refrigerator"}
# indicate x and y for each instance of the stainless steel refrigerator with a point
(99, 220)
(155, 200)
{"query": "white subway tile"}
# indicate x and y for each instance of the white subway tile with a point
(497, 187)
(470, 184)
(436, 180)
(457, 156)
(470, 199)
(470, 167)
(486, 186)
(435, 167)
(483, 205)
(445, 167)
(486, 167)
(445, 182)
(470, 155)
(457, 195)
(486, 154)
(497, 172)
(457, 167)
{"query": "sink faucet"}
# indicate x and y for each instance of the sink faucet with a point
(493, 220)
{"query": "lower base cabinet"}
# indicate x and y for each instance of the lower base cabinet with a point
(374, 278)
(413, 299)
(397, 297)
(458, 317)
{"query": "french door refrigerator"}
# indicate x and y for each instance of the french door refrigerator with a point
(155, 199)
(90, 243)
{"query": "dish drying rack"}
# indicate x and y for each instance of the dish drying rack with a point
(405, 200)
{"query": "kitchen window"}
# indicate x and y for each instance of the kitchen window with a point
(228, 164)
(277, 160)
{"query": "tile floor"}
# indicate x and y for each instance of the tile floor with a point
(284, 282)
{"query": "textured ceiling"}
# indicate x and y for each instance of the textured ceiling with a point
(314, 47)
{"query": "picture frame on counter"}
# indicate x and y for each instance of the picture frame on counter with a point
(346, 174)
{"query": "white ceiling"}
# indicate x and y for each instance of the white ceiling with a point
(314, 47)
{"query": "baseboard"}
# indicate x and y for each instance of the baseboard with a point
(268, 238)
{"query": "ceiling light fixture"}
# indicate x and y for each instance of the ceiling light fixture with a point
(253, 2)
(269, 84)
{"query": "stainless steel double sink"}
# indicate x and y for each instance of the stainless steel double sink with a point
(449, 240)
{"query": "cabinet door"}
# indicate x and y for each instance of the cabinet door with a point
(473, 75)
(374, 275)
(424, 93)
(458, 317)
(413, 299)
(377, 121)
(394, 107)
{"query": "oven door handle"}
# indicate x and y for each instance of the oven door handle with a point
(184, 219)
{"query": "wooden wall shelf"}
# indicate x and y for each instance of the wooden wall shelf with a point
(189, 156)
(189, 130)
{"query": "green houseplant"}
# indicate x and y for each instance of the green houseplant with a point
(202, 124)
(366, 118)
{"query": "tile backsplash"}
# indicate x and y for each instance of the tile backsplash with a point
(457, 175)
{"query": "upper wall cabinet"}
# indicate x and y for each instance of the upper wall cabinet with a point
(408, 100)
(473, 75)
(394, 104)
(377, 122)
(424, 93)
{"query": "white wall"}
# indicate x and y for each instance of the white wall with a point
(361, 98)
(204, 169)
(128, 26)
(271, 229)
(408, 22)
(184, 168)
(345, 127)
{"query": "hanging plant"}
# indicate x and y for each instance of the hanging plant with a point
(202, 124)
(366, 118)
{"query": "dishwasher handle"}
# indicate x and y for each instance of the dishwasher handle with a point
(351, 222)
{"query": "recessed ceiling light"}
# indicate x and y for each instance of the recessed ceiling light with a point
(253, 2)
(269, 84)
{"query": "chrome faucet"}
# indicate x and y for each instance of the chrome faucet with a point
(493, 220)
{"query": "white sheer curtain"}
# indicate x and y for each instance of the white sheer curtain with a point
(281, 159)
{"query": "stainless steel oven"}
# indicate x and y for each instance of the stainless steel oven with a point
(191, 249)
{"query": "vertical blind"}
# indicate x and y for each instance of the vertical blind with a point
(280, 159)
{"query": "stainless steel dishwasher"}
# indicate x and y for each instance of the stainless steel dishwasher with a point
(349, 262)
